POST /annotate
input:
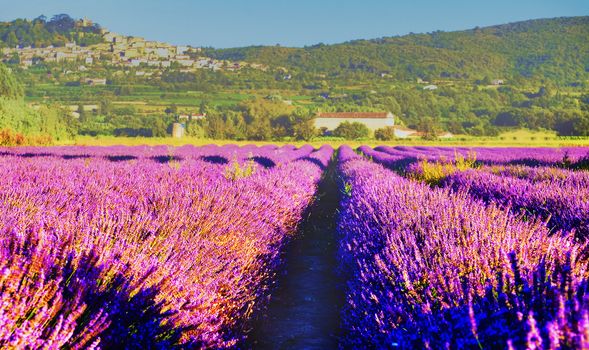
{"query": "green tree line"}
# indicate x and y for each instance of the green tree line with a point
(41, 32)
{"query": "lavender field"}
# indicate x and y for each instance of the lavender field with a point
(285, 247)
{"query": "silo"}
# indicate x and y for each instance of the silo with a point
(178, 130)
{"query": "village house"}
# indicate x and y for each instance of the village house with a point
(136, 62)
(430, 87)
(127, 54)
(162, 52)
(373, 120)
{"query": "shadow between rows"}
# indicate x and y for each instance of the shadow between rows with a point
(136, 320)
(304, 309)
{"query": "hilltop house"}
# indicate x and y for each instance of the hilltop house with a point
(373, 120)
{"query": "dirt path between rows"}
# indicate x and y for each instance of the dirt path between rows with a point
(304, 312)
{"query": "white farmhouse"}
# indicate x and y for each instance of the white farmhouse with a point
(373, 120)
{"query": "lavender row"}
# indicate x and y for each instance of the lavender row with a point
(567, 156)
(565, 206)
(134, 254)
(428, 268)
(265, 156)
(557, 195)
(557, 176)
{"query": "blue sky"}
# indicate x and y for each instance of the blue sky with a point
(231, 23)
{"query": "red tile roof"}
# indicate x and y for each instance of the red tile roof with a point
(354, 115)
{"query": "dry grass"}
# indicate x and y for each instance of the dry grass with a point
(519, 139)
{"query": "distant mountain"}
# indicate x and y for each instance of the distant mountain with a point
(41, 32)
(556, 49)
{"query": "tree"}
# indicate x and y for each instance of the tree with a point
(173, 109)
(215, 126)
(572, 123)
(303, 127)
(195, 128)
(61, 23)
(41, 19)
(159, 128)
(105, 106)
(12, 40)
(259, 130)
(83, 117)
(385, 134)
(9, 87)
(203, 106)
(429, 127)
(351, 130)
(507, 118)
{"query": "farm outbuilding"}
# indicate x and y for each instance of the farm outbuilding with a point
(178, 130)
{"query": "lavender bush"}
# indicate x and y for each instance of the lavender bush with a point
(143, 247)
(429, 268)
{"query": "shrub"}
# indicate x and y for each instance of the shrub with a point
(434, 172)
(385, 134)
(236, 171)
(351, 131)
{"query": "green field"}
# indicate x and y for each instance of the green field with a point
(150, 100)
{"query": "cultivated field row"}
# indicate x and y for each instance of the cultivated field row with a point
(140, 247)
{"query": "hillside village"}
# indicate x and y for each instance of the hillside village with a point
(120, 51)
(435, 85)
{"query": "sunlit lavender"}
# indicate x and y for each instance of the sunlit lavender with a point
(183, 247)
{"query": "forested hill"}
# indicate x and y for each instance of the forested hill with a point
(556, 49)
(41, 32)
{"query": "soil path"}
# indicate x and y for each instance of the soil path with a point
(304, 312)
